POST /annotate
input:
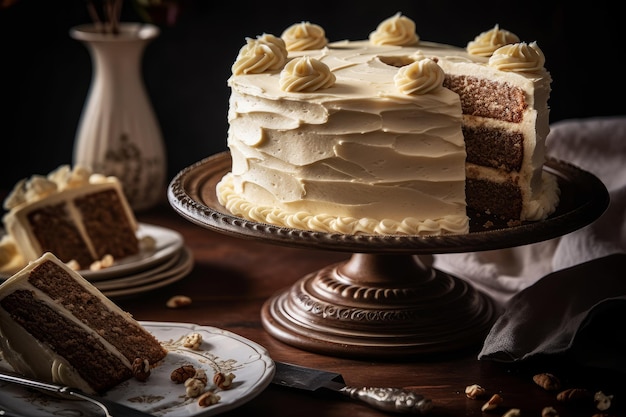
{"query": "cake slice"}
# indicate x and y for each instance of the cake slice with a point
(78, 215)
(57, 327)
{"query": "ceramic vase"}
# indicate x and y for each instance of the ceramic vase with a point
(118, 133)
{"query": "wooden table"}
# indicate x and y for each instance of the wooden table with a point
(233, 277)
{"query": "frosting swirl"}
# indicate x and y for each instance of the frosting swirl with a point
(518, 57)
(397, 30)
(305, 74)
(420, 77)
(488, 42)
(265, 53)
(39, 186)
(304, 36)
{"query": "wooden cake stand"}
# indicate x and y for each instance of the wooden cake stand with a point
(384, 301)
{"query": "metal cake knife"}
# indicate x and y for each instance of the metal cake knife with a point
(110, 408)
(396, 400)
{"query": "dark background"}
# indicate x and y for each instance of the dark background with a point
(45, 75)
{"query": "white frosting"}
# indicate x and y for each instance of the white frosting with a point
(29, 356)
(376, 152)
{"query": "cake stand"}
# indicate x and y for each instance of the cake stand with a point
(385, 300)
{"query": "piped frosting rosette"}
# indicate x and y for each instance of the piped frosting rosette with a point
(265, 53)
(397, 30)
(304, 36)
(305, 74)
(486, 43)
(518, 57)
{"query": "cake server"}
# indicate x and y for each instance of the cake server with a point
(396, 400)
(110, 408)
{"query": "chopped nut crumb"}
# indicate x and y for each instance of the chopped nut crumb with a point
(106, 262)
(201, 375)
(73, 265)
(147, 243)
(602, 401)
(141, 369)
(178, 301)
(549, 412)
(223, 381)
(547, 381)
(208, 398)
(194, 387)
(513, 412)
(180, 375)
(574, 394)
(493, 403)
(474, 391)
(193, 341)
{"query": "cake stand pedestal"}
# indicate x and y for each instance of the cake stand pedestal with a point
(385, 300)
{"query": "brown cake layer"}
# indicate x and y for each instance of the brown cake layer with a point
(495, 148)
(107, 225)
(56, 232)
(505, 199)
(484, 98)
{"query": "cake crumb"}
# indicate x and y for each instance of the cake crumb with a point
(178, 301)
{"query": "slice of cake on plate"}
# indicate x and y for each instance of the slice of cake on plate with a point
(57, 327)
(78, 215)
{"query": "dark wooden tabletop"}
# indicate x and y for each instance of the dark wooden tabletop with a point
(233, 277)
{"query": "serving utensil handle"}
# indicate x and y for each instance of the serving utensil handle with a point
(395, 400)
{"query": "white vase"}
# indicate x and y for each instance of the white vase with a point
(118, 133)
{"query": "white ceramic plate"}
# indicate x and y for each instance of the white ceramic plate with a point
(221, 351)
(167, 243)
(123, 288)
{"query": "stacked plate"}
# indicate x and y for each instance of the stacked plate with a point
(163, 263)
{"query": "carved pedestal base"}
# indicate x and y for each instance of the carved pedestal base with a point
(379, 306)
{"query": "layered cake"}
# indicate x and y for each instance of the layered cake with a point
(78, 215)
(389, 135)
(56, 326)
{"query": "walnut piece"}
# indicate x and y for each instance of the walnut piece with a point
(549, 412)
(178, 301)
(547, 381)
(493, 403)
(208, 398)
(141, 369)
(574, 395)
(180, 375)
(223, 381)
(474, 391)
(194, 387)
(602, 401)
(193, 341)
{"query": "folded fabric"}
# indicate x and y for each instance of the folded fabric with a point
(556, 293)
(549, 318)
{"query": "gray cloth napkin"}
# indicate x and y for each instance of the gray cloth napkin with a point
(577, 311)
(564, 296)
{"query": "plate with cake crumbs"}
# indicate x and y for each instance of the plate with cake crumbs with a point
(157, 245)
(218, 351)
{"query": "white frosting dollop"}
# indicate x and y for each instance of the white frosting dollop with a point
(420, 77)
(518, 57)
(304, 36)
(265, 53)
(305, 74)
(488, 42)
(397, 30)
